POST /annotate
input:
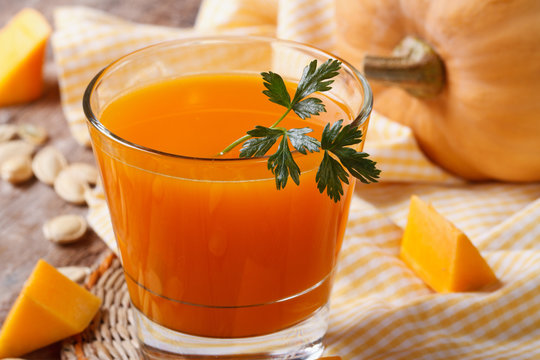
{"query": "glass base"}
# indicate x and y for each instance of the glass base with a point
(301, 341)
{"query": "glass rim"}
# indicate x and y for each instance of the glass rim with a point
(363, 112)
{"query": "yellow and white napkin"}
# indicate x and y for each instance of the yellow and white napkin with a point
(380, 309)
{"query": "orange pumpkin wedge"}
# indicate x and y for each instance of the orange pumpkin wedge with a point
(49, 308)
(22, 52)
(441, 254)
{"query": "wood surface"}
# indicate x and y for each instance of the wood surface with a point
(24, 208)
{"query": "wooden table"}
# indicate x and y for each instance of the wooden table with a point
(24, 208)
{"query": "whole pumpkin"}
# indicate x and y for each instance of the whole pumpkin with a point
(484, 121)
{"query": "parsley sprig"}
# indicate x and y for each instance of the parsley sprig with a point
(335, 141)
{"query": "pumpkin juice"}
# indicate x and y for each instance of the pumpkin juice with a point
(209, 246)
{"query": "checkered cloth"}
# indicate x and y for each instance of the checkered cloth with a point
(380, 309)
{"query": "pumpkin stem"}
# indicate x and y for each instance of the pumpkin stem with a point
(414, 66)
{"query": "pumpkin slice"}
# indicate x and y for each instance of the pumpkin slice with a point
(22, 45)
(441, 254)
(49, 308)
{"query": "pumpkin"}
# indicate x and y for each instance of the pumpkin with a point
(468, 75)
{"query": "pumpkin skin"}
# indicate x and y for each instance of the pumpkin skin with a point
(485, 124)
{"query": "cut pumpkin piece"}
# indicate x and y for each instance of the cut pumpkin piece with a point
(49, 308)
(22, 48)
(441, 254)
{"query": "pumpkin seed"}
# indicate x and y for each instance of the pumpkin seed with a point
(70, 187)
(34, 134)
(12, 148)
(47, 164)
(84, 171)
(7, 132)
(17, 169)
(74, 273)
(65, 229)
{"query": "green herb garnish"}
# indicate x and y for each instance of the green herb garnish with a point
(335, 140)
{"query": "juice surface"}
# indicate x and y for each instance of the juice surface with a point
(199, 116)
(226, 254)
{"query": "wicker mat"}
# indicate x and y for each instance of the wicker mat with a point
(111, 335)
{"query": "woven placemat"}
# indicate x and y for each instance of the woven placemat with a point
(111, 335)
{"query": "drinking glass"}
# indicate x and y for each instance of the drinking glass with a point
(218, 262)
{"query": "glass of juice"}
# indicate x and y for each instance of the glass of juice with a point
(218, 262)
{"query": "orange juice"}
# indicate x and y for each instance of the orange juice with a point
(209, 246)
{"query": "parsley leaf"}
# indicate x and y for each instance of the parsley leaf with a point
(316, 78)
(339, 159)
(282, 165)
(329, 177)
(313, 79)
(276, 89)
(335, 140)
(330, 133)
(303, 142)
(263, 139)
(307, 107)
(349, 135)
(358, 165)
